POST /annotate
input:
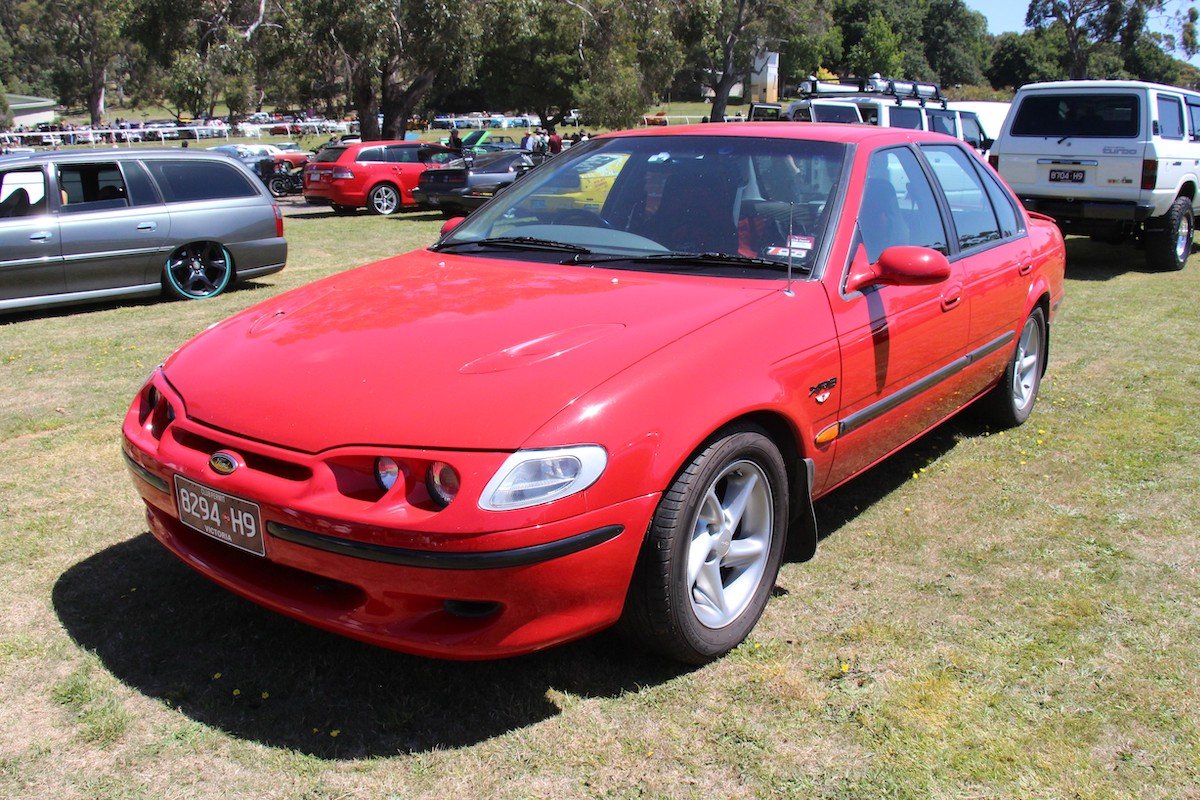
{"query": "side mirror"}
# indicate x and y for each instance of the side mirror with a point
(901, 265)
(451, 224)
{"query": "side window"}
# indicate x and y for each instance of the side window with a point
(402, 155)
(141, 188)
(91, 187)
(1194, 120)
(898, 205)
(970, 206)
(22, 193)
(1170, 117)
(1003, 203)
(902, 117)
(371, 154)
(187, 181)
(870, 114)
(942, 122)
(972, 132)
(438, 156)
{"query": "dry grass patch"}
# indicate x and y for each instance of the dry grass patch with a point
(1000, 615)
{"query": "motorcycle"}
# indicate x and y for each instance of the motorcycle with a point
(286, 180)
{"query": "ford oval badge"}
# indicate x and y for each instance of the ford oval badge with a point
(222, 462)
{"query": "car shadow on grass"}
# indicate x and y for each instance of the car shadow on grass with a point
(95, 306)
(1089, 260)
(224, 662)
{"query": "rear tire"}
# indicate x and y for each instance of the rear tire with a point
(1010, 403)
(277, 185)
(1169, 248)
(198, 271)
(713, 550)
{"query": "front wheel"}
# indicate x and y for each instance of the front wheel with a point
(1011, 401)
(1169, 247)
(384, 199)
(713, 551)
(198, 271)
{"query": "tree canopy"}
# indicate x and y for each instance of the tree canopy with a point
(392, 59)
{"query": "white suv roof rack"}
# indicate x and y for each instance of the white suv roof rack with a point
(875, 85)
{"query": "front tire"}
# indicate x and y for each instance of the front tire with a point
(1169, 248)
(1010, 403)
(383, 200)
(713, 551)
(198, 271)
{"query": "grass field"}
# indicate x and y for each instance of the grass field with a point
(1009, 615)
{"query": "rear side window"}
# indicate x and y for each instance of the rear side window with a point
(22, 193)
(972, 132)
(906, 118)
(1170, 117)
(970, 207)
(187, 181)
(1113, 116)
(371, 155)
(1194, 120)
(942, 122)
(91, 187)
(399, 155)
(835, 114)
(141, 188)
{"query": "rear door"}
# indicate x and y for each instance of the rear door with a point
(30, 248)
(1061, 143)
(112, 227)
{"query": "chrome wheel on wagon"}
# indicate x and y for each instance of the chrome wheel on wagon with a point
(199, 270)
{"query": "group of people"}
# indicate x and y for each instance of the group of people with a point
(543, 141)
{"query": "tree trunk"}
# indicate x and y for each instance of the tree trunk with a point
(399, 101)
(96, 98)
(365, 103)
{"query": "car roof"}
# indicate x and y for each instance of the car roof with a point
(108, 155)
(1103, 84)
(845, 133)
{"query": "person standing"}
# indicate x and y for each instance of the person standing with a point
(554, 142)
(527, 140)
(456, 141)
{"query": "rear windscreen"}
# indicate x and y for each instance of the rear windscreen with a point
(1113, 116)
(329, 154)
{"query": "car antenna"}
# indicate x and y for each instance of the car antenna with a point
(791, 219)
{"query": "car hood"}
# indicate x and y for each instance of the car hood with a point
(436, 350)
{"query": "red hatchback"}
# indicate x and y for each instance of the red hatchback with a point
(378, 175)
(612, 392)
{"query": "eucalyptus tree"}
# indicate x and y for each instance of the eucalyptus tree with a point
(87, 36)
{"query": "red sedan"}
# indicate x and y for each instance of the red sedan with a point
(378, 175)
(612, 392)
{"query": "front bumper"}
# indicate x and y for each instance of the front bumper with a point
(456, 594)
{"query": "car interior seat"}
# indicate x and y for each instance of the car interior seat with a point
(880, 220)
(699, 209)
(16, 204)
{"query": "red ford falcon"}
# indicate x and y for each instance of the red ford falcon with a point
(608, 395)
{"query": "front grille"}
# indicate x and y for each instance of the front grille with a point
(256, 461)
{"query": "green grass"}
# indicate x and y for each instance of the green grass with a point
(995, 615)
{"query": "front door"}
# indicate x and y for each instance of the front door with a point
(30, 249)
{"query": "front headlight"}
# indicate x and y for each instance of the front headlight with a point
(532, 477)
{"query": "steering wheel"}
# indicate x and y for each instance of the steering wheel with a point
(582, 216)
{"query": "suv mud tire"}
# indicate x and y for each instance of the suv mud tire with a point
(1169, 247)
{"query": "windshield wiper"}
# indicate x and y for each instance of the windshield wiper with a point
(686, 259)
(516, 243)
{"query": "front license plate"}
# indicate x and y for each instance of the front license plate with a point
(216, 514)
(1067, 175)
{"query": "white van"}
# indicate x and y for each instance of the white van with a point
(1111, 159)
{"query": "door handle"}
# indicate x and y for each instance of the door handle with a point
(951, 298)
(147, 226)
(40, 236)
(1025, 268)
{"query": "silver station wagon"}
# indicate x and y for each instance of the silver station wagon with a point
(94, 225)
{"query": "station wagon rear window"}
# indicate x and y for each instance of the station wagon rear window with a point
(1109, 116)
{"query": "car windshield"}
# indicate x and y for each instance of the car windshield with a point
(766, 201)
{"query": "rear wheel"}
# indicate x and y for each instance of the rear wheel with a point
(1169, 247)
(198, 270)
(277, 185)
(384, 199)
(713, 550)
(1011, 401)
